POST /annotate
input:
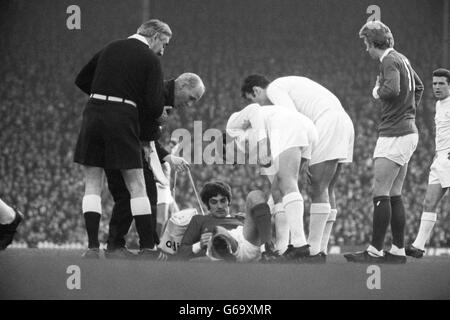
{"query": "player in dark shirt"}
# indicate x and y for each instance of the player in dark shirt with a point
(219, 235)
(183, 91)
(399, 89)
(125, 84)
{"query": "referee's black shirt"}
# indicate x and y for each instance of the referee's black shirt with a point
(128, 69)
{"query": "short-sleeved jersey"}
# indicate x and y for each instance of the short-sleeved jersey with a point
(442, 120)
(400, 92)
(303, 95)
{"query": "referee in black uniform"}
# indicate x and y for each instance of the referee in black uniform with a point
(126, 88)
(181, 92)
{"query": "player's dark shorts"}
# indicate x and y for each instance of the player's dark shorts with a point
(109, 136)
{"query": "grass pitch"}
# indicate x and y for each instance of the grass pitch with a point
(43, 274)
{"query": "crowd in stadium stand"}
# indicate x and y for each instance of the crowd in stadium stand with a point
(40, 108)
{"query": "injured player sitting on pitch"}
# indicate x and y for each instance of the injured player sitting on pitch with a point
(283, 140)
(219, 235)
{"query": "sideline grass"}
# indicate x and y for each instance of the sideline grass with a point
(42, 274)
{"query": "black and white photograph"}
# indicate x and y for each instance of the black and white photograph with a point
(223, 156)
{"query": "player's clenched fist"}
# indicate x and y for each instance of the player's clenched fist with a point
(205, 238)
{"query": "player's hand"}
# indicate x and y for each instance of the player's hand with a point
(165, 115)
(377, 83)
(375, 89)
(177, 163)
(264, 157)
(147, 151)
(205, 238)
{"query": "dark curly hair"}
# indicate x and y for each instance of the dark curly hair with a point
(213, 189)
(253, 80)
(441, 72)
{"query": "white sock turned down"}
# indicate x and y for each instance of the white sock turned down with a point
(281, 228)
(427, 222)
(293, 207)
(319, 213)
(327, 232)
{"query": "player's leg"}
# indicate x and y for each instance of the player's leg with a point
(287, 175)
(433, 196)
(92, 206)
(258, 225)
(398, 215)
(162, 210)
(121, 217)
(281, 223)
(333, 212)
(385, 173)
(140, 206)
(10, 219)
(321, 177)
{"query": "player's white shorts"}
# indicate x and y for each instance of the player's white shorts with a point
(440, 170)
(336, 138)
(164, 194)
(397, 149)
(246, 252)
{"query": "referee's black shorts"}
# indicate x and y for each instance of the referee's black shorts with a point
(109, 136)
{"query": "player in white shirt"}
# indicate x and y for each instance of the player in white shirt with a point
(335, 144)
(286, 139)
(439, 178)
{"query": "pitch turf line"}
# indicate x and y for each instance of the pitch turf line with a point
(41, 274)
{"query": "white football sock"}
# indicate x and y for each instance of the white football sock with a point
(319, 213)
(92, 203)
(397, 251)
(427, 222)
(374, 252)
(7, 213)
(293, 206)
(281, 228)
(140, 206)
(327, 232)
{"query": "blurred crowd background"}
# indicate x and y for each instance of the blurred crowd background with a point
(222, 41)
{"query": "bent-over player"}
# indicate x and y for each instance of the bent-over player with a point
(285, 137)
(334, 147)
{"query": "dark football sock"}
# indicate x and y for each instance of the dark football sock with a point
(92, 221)
(261, 216)
(145, 231)
(398, 221)
(381, 219)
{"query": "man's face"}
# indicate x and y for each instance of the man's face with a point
(370, 49)
(186, 97)
(258, 96)
(219, 206)
(441, 88)
(158, 43)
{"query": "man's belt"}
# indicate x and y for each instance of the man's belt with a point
(111, 98)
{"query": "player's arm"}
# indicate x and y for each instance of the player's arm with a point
(280, 97)
(190, 244)
(390, 86)
(418, 88)
(86, 75)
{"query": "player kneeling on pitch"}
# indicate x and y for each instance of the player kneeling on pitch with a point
(284, 138)
(439, 179)
(221, 236)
